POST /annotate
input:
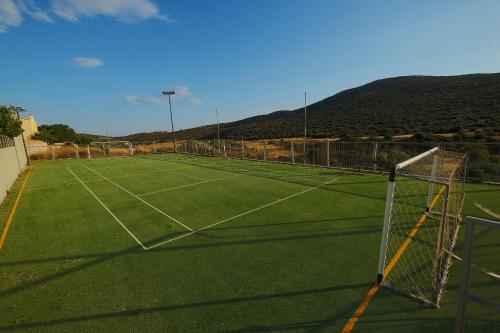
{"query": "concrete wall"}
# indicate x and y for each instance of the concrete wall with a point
(12, 162)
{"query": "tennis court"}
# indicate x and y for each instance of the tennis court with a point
(171, 242)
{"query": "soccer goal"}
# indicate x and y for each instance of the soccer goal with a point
(109, 148)
(422, 217)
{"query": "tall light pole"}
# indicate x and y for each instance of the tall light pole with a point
(18, 109)
(218, 128)
(171, 93)
(305, 124)
(107, 128)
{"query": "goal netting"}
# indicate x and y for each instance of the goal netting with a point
(109, 148)
(422, 218)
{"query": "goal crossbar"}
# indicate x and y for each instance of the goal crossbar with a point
(428, 186)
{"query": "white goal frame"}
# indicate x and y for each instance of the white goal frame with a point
(107, 144)
(446, 172)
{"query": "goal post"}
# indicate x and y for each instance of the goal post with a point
(421, 222)
(110, 148)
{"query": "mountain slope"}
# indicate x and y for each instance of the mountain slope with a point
(400, 105)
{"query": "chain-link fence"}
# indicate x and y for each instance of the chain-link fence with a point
(5, 141)
(484, 158)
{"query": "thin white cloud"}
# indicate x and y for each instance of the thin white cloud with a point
(128, 11)
(10, 15)
(185, 92)
(29, 7)
(182, 91)
(195, 101)
(144, 100)
(85, 62)
(122, 10)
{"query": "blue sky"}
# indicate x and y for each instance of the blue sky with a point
(83, 61)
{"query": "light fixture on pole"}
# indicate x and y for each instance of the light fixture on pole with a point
(18, 109)
(171, 93)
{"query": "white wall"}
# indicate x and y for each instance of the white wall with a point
(12, 162)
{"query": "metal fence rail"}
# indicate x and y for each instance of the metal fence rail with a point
(484, 158)
(465, 294)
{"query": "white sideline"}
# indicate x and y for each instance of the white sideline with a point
(188, 185)
(107, 209)
(242, 214)
(180, 174)
(140, 199)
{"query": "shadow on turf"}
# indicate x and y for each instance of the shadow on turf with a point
(167, 248)
(101, 258)
(175, 307)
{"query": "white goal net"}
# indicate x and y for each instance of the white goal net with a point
(109, 148)
(422, 218)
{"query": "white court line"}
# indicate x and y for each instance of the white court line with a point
(189, 185)
(140, 199)
(242, 214)
(180, 174)
(255, 172)
(107, 209)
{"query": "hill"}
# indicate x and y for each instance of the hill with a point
(399, 105)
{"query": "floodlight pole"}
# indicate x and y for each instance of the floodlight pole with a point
(107, 129)
(171, 93)
(305, 124)
(20, 109)
(218, 128)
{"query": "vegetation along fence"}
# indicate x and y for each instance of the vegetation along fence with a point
(484, 158)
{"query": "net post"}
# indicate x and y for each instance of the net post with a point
(387, 224)
(293, 153)
(224, 143)
(328, 153)
(464, 280)
(104, 150)
(375, 148)
(77, 154)
(130, 149)
(304, 153)
(88, 151)
(438, 262)
(430, 191)
(154, 147)
(52, 151)
(242, 150)
(265, 150)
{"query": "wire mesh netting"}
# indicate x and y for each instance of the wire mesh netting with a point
(479, 305)
(368, 156)
(5, 141)
(424, 222)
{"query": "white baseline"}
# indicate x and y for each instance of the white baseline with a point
(242, 214)
(140, 199)
(107, 209)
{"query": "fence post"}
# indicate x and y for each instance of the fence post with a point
(225, 154)
(242, 150)
(328, 153)
(464, 280)
(130, 149)
(375, 148)
(293, 153)
(154, 147)
(53, 152)
(77, 153)
(265, 150)
(88, 151)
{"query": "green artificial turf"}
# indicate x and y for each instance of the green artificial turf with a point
(291, 252)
